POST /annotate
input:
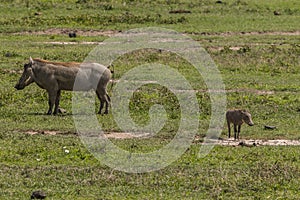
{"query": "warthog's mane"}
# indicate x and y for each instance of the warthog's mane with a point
(65, 64)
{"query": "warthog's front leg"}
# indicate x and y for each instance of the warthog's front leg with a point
(228, 124)
(51, 101)
(235, 131)
(57, 102)
(238, 133)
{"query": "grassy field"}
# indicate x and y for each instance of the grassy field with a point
(256, 51)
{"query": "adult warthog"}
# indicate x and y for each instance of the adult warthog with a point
(57, 76)
(238, 117)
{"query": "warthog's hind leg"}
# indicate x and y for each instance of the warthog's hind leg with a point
(104, 99)
(101, 106)
(107, 101)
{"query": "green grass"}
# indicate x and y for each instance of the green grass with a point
(39, 162)
(262, 77)
(205, 16)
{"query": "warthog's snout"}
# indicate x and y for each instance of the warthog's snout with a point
(18, 87)
(251, 124)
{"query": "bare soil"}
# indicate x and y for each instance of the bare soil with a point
(297, 32)
(110, 33)
(223, 142)
(64, 31)
(254, 142)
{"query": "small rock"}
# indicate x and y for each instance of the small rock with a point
(37, 13)
(244, 144)
(276, 13)
(267, 127)
(38, 195)
(72, 35)
(8, 54)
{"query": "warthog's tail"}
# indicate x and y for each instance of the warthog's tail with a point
(113, 76)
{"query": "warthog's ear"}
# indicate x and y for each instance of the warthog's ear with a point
(240, 111)
(243, 111)
(30, 72)
(31, 61)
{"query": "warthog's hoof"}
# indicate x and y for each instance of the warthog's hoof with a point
(105, 112)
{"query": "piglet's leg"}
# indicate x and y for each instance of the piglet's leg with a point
(239, 130)
(228, 124)
(235, 131)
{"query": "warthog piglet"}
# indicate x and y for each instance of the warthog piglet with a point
(237, 118)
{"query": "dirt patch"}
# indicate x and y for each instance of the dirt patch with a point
(288, 33)
(223, 142)
(122, 135)
(114, 135)
(63, 31)
(253, 142)
(31, 132)
(72, 43)
(254, 91)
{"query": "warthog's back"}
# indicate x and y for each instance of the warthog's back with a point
(234, 116)
(87, 75)
(65, 64)
(238, 117)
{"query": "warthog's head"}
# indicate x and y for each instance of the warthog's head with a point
(247, 118)
(26, 77)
